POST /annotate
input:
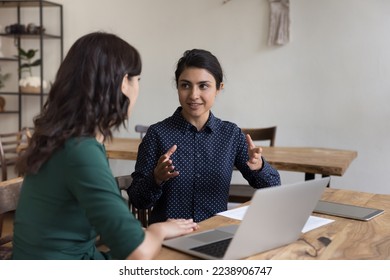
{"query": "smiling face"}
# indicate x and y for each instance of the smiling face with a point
(197, 91)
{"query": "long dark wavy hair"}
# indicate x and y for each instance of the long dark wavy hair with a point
(85, 97)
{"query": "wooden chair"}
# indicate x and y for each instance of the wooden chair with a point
(239, 193)
(10, 144)
(141, 214)
(141, 129)
(9, 197)
(262, 134)
(9, 153)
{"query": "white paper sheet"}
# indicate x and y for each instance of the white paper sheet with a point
(312, 223)
(315, 222)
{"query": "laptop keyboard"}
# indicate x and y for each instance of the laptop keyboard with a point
(216, 249)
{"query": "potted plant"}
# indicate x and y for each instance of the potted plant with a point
(3, 78)
(29, 83)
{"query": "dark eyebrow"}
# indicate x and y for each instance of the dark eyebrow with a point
(201, 82)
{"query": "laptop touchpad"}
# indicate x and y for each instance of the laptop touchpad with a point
(212, 236)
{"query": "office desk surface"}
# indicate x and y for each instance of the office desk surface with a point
(300, 159)
(343, 239)
(123, 148)
(323, 161)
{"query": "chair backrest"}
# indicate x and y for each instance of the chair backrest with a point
(10, 148)
(28, 132)
(142, 215)
(262, 134)
(239, 193)
(141, 129)
(9, 153)
(9, 197)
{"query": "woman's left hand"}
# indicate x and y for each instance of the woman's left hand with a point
(255, 161)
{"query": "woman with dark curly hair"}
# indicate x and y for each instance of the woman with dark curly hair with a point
(69, 195)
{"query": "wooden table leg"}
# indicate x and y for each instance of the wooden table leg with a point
(309, 176)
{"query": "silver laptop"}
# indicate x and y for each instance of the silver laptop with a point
(275, 217)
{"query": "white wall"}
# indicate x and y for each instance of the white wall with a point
(329, 87)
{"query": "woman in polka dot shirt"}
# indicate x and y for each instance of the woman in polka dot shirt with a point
(185, 162)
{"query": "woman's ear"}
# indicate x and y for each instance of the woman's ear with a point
(125, 83)
(221, 86)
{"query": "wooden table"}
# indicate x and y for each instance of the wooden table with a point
(310, 160)
(300, 159)
(123, 148)
(348, 239)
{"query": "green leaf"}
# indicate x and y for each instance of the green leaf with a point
(31, 53)
(22, 53)
(25, 65)
(27, 54)
(36, 62)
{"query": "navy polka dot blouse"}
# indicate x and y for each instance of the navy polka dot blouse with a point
(205, 160)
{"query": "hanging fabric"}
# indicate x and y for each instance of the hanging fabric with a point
(279, 26)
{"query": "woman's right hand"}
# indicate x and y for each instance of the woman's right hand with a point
(156, 233)
(178, 227)
(165, 169)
